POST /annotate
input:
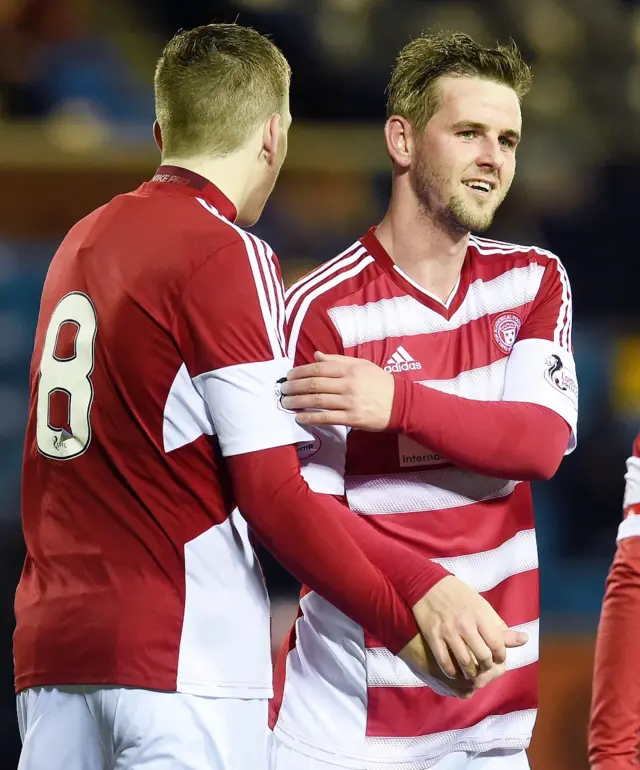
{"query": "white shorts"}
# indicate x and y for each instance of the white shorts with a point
(113, 728)
(281, 757)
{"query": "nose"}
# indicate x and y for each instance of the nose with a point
(491, 155)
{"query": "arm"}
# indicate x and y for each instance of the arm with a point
(306, 533)
(229, 327)
(535, 419)
(614, 727)
(536, 437)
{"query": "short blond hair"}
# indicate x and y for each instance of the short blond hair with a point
(412, 91)
(214, 85)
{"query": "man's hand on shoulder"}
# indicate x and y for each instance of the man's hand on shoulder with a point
(348, 391)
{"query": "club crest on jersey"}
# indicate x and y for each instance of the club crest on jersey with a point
(505, 330)
(557, 375)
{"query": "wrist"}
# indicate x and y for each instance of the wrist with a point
(413, 590)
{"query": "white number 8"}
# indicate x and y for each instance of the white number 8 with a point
(71, 376)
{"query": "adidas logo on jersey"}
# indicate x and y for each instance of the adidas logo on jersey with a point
(401, 361)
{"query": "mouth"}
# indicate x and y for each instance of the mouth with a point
(481, 187)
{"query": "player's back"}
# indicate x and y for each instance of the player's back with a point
(134, 552)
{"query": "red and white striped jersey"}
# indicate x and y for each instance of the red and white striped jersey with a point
(504, 334)
(159, 344)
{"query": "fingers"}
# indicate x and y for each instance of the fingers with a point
(420, 659)
(515, 638)
(480, 651)
(327, 366)
(486, 677)
(463, 656)
(441, 654)
(336, 417)
(335, 358)
(310, 385)
(495, 641)
(319, 369)
(315, 401)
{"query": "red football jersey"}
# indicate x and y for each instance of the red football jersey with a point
(614, 728)
(503, 335)
(157, 352)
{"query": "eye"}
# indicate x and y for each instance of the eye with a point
(507, 142)
(470, 133)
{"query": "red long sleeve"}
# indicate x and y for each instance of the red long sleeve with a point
(412, 576)
(313, 536)
(504, 439)
(614, 728)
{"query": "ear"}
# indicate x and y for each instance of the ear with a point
(398, 135)
(270, 137)
(157, 134)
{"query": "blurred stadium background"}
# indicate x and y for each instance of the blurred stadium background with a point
(76, 111)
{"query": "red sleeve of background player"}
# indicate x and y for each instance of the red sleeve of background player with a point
(614, 726)
(524, 436)
(229, 328)
(323, 465)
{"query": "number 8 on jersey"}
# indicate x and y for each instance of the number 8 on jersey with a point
(71, 375)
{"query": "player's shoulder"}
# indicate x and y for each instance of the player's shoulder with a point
(331, 282)
(226, 235)
(197, 232)
(510, 255)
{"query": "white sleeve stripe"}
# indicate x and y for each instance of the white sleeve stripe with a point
(279, 295)
(562, 335)
(320, 269)
(298, 291)
(271, 285)
(262, 298)
(264, 273)
(562, 332)
(269, 326)
(298, 317)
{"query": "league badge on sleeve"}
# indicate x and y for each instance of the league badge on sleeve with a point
(279, 395)
(505, 330)
(557, 375)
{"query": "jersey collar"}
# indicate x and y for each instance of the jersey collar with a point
(446, 310)
(197, 185)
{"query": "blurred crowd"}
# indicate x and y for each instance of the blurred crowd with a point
(91, 62)
(55, 56)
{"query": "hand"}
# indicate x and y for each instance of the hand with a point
(350, 391)
(455, 620)
(417, 655)
(421, 660)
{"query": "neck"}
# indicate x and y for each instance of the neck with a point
(429, 252)
(230, 174)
